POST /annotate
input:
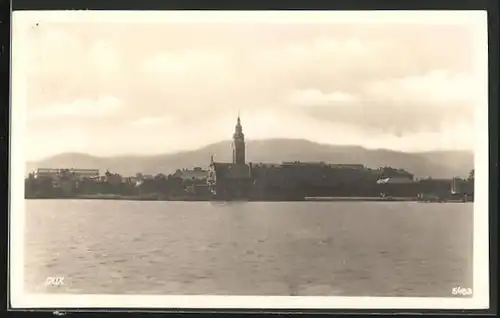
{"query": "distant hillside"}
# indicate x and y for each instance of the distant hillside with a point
(438, 164)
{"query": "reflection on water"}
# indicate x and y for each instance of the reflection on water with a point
(271, 248)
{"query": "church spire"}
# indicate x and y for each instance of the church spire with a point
(238, 143)
(238, 131)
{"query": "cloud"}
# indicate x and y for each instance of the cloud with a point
(104, 57)
(103, 106)
(58, 50)
(369, 84)
(152, 121)
(183, 61)
(189, 84)
(437, 87)
(396, 105)
(315, 97)
(53, 50)
(61, 58)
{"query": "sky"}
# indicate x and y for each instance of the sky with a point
(108, 87)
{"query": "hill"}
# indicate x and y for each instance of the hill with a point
(438, 164)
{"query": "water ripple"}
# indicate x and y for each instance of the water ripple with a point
(249, 249)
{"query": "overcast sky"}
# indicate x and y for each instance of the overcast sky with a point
(121, 88)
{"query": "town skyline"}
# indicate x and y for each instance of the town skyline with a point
(344, 83)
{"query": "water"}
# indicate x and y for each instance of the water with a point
(297, 248)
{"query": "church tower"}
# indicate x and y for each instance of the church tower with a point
(238, 144)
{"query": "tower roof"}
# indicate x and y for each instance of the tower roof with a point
(238, 129)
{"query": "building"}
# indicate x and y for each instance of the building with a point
(41, 173)
(76, 174)
(143, 176)
(231, 180)
(85, 173)
(439, 187)
(46, 173)
(461, 186)
(297, 180)
(113, 178)
(196, 174)
(64, 180)
(238, 144)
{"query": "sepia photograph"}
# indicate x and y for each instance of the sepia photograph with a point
(249, 159)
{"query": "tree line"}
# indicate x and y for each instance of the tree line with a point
(161, 186)
(68, 185)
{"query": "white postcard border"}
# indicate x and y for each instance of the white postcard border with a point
(19, 299)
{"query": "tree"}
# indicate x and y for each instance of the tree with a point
(471, 175)
(160, 177)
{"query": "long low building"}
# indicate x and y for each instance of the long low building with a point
(46, 173)
(298, 179)
(61, 172)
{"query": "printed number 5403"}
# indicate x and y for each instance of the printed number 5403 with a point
(460, 291)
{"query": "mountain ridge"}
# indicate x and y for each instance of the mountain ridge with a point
(438, 164)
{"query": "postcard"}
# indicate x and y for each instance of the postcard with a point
(272, 159)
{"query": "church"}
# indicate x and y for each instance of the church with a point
(239, 180)
(296, 180)
(232, 180)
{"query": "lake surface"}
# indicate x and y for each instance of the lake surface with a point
(296, 248)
